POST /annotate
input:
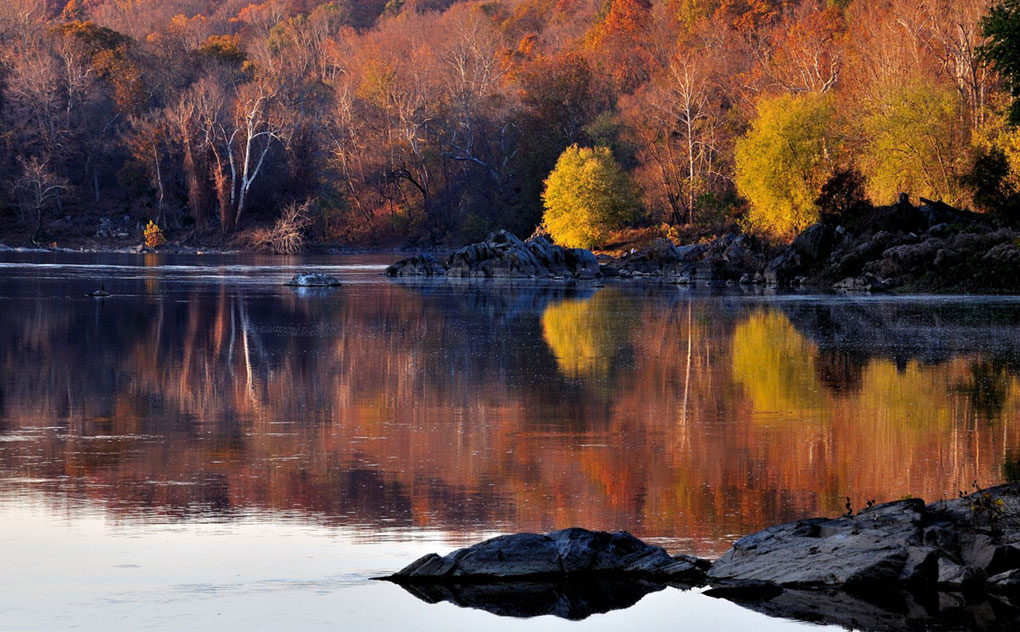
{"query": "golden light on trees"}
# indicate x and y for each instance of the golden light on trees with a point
(586, 196)
(916, 143)
(784, 159)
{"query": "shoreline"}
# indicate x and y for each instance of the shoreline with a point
(946, 559)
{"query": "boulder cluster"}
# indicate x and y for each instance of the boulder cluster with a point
(931, 247)
(504, 255)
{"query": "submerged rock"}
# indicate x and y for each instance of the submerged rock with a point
(100, 293)
(567, 553)
(313, 279)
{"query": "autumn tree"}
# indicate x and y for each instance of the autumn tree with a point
(676, 120)
(440, 120)
(803, 52)
(183, 129)
(587, 195)
(784, 159)
(916, 141)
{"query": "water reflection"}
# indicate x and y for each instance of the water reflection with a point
(891, 611)
(588, 336)
(574, 600)
(686, 419)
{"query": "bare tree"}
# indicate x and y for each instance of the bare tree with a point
(252, 136)
(238, 130)
(184, 128)
(676, 123)
(39, 188)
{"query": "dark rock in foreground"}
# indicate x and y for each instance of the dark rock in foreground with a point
(314, 279)
(965, 543)
(897, 566)
(569, 599)
(504, 255)
(567, 553)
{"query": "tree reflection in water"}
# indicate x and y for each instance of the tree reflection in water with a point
(687, 419)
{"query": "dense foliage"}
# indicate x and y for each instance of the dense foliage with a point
(586, 196)
(438, 120)
(784, 160)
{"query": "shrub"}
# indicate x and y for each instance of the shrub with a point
(587, 195)
(287, 235)
(990, 182)
(154, 237)
(843, 195)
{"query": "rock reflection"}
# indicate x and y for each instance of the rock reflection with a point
(685, 419)
(574, 600)
(888, 612)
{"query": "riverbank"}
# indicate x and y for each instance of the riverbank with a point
(905, 248)
(931, 247)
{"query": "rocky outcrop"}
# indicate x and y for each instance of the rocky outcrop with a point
(504, 255)
(933, 247)
(423, 265)
(313, 279)
(965, 543)
(566, 553)
(902, 565)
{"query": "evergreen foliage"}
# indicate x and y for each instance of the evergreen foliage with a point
(1002, 27)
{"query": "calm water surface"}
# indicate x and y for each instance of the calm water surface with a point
(209, 448)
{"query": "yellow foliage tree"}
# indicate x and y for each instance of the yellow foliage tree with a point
(917, 142)
(587, 194)
(784, 160)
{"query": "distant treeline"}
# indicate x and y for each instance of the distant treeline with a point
(437, 120)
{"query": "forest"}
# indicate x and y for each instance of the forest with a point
(432, 122)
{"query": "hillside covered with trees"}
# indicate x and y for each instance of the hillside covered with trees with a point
(436, 121)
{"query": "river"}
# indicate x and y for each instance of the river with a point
(209, 448)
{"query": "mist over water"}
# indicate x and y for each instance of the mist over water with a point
(208, 443)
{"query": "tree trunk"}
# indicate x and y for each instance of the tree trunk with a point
(38, 222)
(222, 184)
(196, 195)
(159, 186)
